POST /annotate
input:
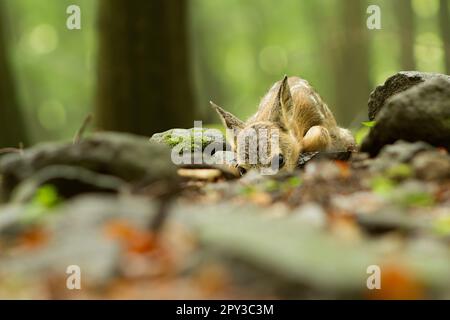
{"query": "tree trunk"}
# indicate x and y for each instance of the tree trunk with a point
(405, 18)
(351, 62)
(144, 81)
(444, 23)
(12, 129)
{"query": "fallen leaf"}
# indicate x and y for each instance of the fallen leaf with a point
(397, 283)
(135, 240)
(33, 238)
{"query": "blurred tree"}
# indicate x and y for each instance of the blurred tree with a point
(12, 131)
(405, 19)
(351, 62)
(444, 22)
(144, 81)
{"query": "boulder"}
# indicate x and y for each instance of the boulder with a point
(421, 113)
(397, 83)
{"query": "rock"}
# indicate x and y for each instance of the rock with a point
(193, 139)
(310, 214)
(397, 83)
(421, 159)
(79, 237)
(352, 203)
(10, 219)
(323, 170)
(127, 157)
(421, 113)
(432, 165)
(400, 152)
(301, 254)
(391, 219)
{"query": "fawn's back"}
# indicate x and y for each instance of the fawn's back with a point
(294, 113)
(308, 109)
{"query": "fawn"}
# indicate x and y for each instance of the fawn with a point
(296, 116)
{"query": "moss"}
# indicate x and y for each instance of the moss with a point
(400, 171)
(191, 139)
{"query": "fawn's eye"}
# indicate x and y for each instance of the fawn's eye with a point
(278, 160)
(242, 171)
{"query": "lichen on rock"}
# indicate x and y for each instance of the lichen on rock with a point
(191, 140)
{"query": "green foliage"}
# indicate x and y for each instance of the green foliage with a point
(172, 140)
(416, 199)
(294, 181)
(363, 131)
(54, 66)
(399, 171)
(272, 185)
(43, 202)
(360, 134)
(46, 197)
(56, 71)
(369, 124)
(441, 225)
(400, 194)
(382, 185)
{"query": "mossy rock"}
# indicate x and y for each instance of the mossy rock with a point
(194, 139)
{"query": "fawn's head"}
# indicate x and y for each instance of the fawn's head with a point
(268, 144)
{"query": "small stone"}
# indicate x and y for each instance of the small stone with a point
(432, 165)
(310, 214)
(363, 202)
(200, 174)
(322, 170)
(397, 153)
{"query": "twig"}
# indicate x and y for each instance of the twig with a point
(21, 148)
(18, 150)
(11, 150)
(79, 134)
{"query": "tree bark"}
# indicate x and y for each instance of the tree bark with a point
(444, 23)
(351, 62)
(144, 80)
(12, 129)
(405, 18)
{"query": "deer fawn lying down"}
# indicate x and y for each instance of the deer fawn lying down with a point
(296, 116)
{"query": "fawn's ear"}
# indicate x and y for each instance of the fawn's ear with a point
(231, 123)
(283, 103)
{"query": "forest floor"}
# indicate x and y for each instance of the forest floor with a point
(315, 233)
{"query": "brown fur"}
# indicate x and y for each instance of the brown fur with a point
(304, 123)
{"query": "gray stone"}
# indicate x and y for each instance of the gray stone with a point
(310, 214)
(432, 165)
(78, 237)
(421, 113)
(397, 83)
(397, 153)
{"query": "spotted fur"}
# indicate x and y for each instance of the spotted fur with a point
(294, 110)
